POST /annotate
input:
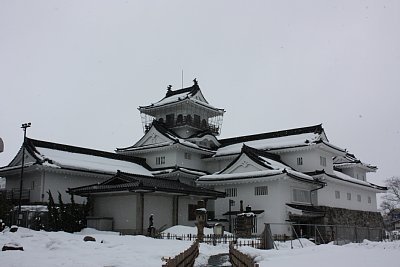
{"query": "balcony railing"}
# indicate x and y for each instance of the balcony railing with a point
(192, 123)
(13, 194)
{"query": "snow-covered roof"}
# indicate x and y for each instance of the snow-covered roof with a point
(70, 157)
(125, 182)
(350, 161)
(179, 169)
(192, 93)
(292, 138)
(272, 164)
(171, 138)
(346, 178)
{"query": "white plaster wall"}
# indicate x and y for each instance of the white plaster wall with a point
(121, 208)
(60, 182)
(53, 181)
(311, 160)
(160, 207)
(194, 163)
(326, 197)
(183, 210)
(218, 164)
(273, 204)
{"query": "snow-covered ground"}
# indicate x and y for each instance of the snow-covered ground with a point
(64, 249)
(110, 249)
(366, 254)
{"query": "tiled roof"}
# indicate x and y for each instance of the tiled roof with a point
(131, 183)
(316, 129)
(343, 177)
(78, 158)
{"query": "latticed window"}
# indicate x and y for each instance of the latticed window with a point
(231, 192)
(299, 161)
(322, 161)
(301, 195)
(261, 190)
(160, 160)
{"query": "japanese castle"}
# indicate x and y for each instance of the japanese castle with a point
(293, 175)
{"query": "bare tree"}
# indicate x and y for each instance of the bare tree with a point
(392, 197)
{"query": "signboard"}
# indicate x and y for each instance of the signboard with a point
(1, 145)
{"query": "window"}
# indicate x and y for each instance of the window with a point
(369, 200)
(337, 194)
(192, 212)
(160, 160)
(300, 161)
(196, 120)
(179, 119)
(261, 190)
(359, 198)
(170, 119)
(322, 161)
(348, 196)
(300, 195)
(188, 155)
(231, 192)
(33, 185)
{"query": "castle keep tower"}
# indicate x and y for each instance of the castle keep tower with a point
(185, 112)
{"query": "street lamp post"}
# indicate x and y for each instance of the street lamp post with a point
(24, 127)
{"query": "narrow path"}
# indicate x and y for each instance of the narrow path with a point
(219, 260)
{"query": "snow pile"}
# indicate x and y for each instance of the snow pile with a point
(366, 254)
(64, 249)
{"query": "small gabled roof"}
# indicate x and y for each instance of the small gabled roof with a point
(121, 182)
(268, 160)
(170, 135)
(177, 169)
(63, 156)
(181, 95)
(349, 161)
(286, 139)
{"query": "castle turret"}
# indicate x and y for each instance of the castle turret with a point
(184, 111)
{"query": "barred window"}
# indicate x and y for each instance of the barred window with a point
(261, 190)
(231, 192)
(301, 195)
(322, 161)
(160, 160)
(299, 161)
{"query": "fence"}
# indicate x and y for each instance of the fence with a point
(339, 234)
(253, 241)
(239, 259)
(185, 258)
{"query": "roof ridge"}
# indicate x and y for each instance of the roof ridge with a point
(192, 89)
(294, 131)
(33, 143)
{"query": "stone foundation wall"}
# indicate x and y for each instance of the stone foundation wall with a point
(338, 216)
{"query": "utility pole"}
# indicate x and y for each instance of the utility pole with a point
(24, 127)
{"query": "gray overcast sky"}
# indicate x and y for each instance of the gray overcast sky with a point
(78, 70)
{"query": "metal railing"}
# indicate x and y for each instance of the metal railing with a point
(13, 194)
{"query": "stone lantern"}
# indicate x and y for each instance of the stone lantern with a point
(201, 218)
(245, 223)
